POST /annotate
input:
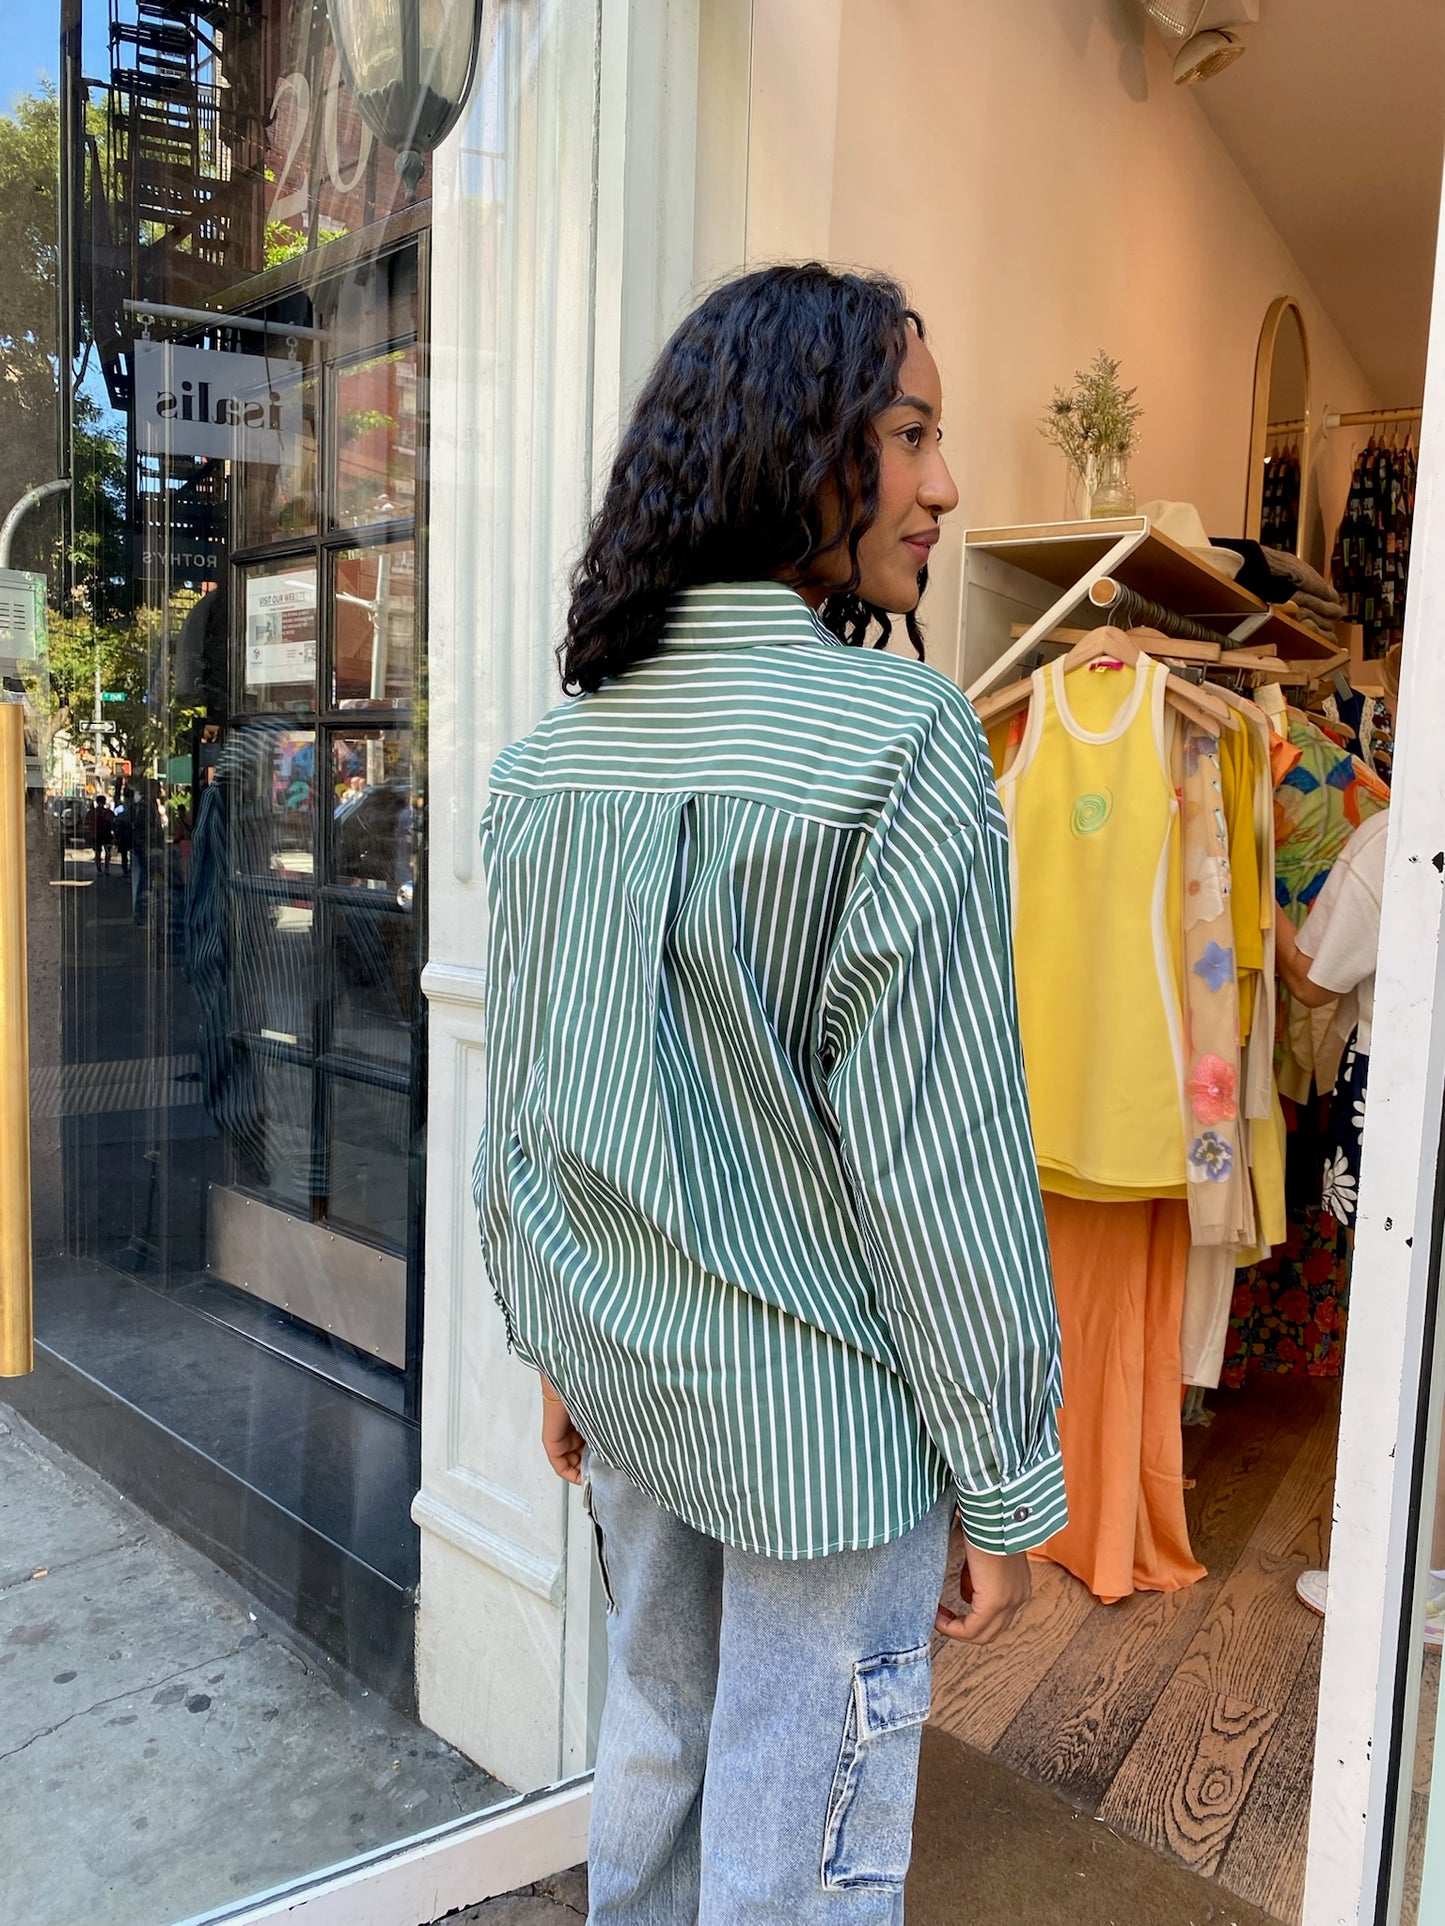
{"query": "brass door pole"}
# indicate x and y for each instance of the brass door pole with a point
(17, 1335)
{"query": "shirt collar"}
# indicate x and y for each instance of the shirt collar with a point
(742, 615)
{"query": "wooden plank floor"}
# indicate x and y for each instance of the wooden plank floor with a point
(1184, 1720)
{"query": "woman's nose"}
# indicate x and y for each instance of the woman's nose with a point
(939, 493)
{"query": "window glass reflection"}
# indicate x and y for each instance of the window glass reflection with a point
(374, 817)
(277, 499)
(370, 1138)
(376, 431)
(373, 962)
(374, 622)
(273, 987)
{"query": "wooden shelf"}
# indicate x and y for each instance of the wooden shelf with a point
(1060, 553)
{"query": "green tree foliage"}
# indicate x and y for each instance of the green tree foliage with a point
(29, 251)
(92, 615)
(78, 645)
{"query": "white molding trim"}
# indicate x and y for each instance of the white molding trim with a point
(462, 983)
(1372, 1571)
(545, 1576)
(434, 1872)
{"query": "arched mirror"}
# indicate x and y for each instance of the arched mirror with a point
(1276, 502)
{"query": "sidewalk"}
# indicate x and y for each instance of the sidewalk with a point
(561, 1901)
(162, 1748)
(165, 1751)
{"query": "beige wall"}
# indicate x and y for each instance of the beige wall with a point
(1028, 168)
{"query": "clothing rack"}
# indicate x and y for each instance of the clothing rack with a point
(1127, 608)
(1370, 418)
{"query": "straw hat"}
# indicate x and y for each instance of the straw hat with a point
(1182, 523)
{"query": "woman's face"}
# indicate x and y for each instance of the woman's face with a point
(914, 490)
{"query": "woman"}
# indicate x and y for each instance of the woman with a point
(757, 1191)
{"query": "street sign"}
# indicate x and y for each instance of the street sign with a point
(112, 695)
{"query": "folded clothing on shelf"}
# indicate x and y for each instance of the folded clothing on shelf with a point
(1255, 574)
(1309, 618)
(1308, 582)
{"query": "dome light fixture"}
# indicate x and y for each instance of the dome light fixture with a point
(409, 66)
(1206, 54)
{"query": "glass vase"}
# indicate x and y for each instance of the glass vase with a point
(1109, 490)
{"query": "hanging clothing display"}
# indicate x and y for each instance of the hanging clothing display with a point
(1279, 507)
(1198, 1198)
(1290, 1309)
(1319, 803)
(1148, 839)
(1371, 561)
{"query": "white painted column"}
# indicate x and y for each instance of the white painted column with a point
(1393, 1283)
(561, 252)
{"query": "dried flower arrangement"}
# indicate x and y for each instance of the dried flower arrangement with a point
(1094, 418)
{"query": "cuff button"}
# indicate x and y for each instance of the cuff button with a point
(1021, 1514)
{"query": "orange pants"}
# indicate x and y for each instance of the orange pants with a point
(1119, 1277)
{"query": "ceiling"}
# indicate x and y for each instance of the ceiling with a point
(1336, 117)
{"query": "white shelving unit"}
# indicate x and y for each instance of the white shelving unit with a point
(1040, 575)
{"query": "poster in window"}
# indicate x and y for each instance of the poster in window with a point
(281, 629)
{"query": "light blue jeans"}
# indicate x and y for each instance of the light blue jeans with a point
(758, 1756)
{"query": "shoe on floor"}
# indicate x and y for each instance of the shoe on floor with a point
(1312, 1589)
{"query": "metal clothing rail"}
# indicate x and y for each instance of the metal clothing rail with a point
(1128, 607)
(1369, 418)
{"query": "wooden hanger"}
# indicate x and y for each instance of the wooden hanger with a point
(1103, 645)
(1111, 644)
(1004, 702)
(1095, 645)
(1202, 708)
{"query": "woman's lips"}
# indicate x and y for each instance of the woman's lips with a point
(922, 547)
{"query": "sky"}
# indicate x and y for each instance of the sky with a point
(30, 44)
(29, 47)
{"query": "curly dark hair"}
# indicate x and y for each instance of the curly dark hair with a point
(755, 422)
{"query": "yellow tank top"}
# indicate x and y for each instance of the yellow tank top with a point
(1093, 826)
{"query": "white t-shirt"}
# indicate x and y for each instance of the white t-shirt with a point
(1341, 935)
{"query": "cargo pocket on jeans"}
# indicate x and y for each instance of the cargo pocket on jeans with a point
(868, 1838)
(588, 1507)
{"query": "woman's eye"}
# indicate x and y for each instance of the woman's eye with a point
(914, 435)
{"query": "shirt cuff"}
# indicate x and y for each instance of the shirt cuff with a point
(1020, 1514)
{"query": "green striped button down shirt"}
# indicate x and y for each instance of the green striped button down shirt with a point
(757, 1189)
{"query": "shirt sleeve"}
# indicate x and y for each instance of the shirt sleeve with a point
(920, 1047)
(1341, 934)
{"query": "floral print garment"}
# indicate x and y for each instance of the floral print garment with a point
(1221, 1200)
(1289, 1312)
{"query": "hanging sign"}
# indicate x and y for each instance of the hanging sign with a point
(22, 614)
(208, 402)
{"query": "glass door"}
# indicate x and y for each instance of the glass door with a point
(210, 1568)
